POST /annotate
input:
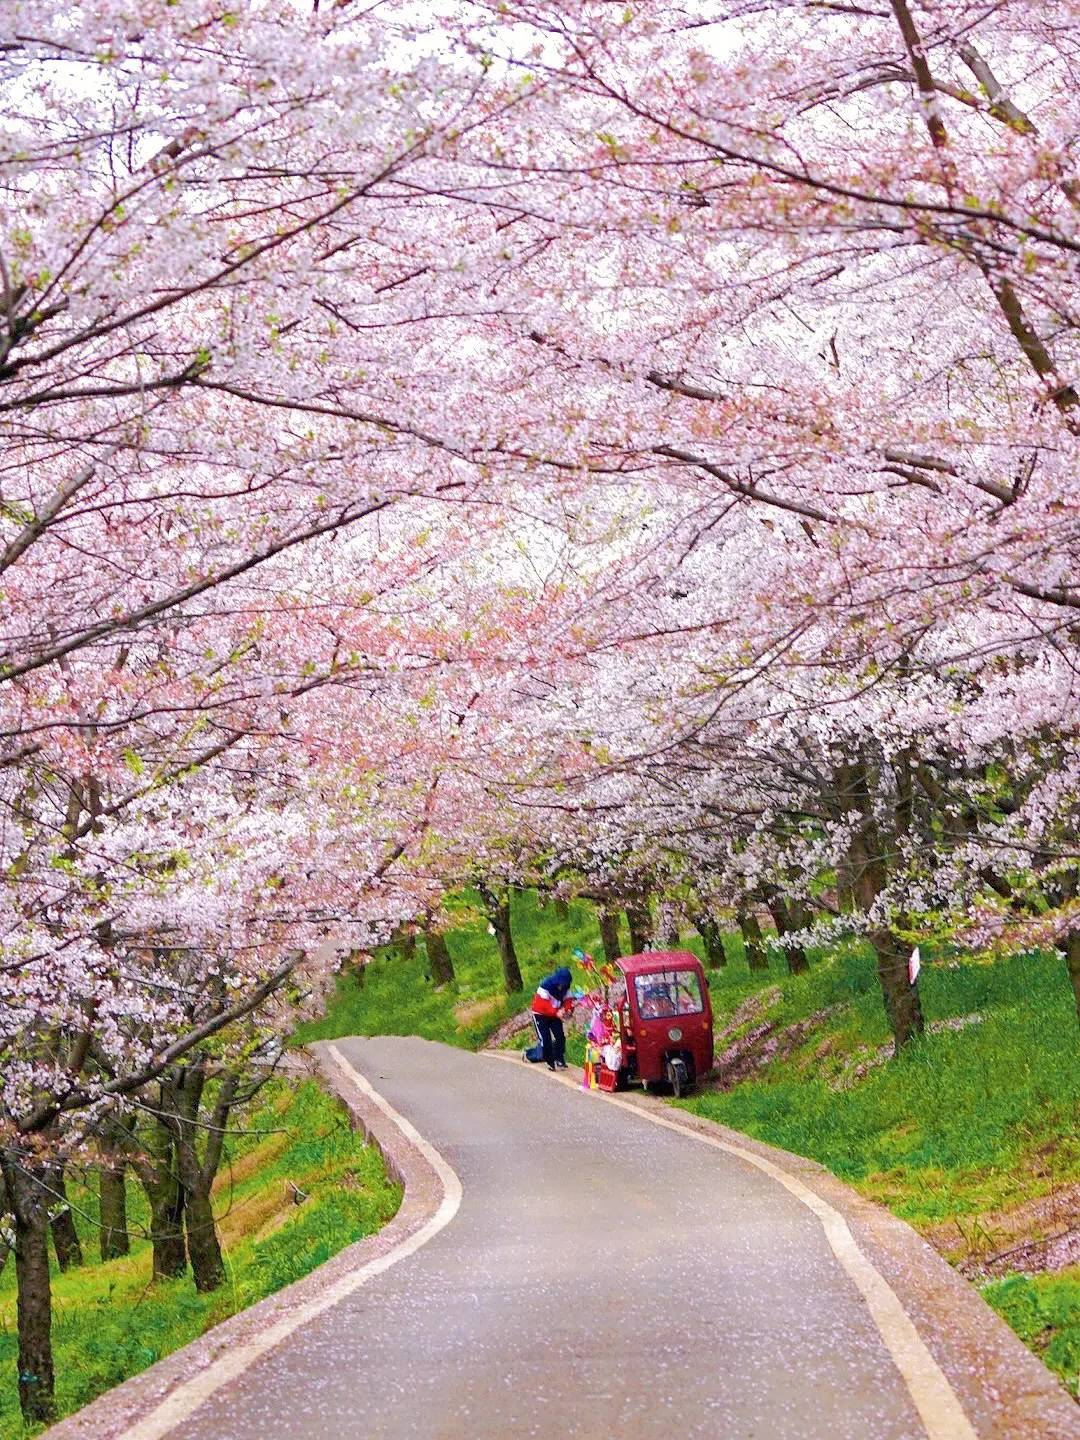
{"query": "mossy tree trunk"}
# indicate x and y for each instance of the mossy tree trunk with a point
(155, 1165)
(608, 920)
(497, 905)
(65, 1237)
(1072, 958)
(28, 1196)
(203, 1244)
(167, 1232)
(757, 957)
(902, 1004)
(1064, 889)
(712, 938)
(405, 940)
(788, 917)
(639, 919)
(182, 1096)
(439, 958)
(869, 863)
(112, 1209)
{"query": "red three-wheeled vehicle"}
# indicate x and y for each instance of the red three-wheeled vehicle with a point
(665, 1020)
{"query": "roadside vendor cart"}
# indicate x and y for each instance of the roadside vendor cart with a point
(665, 1022)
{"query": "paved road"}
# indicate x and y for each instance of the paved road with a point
(603, 1277)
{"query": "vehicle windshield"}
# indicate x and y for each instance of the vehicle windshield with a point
(668, 992)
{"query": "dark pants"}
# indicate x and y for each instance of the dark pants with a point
(552, 1036)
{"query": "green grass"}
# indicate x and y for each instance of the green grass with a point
(110, 1322)
(1044, 1310)
(966, 1122)
(392, 996)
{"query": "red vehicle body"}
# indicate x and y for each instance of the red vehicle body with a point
(666, 1019)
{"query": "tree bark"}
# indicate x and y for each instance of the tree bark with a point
(756, 955)
(1072, 958)
(112, 1209)
(29, 1199)
(405, 940)
(182, 1097)
(439, 958)
(204, 1248)
(357, 968)
(902, 1003)
(157, 1172)
(786, 917)
(498, 910)
(167, 1231)
(609, 933)
(62, 1223)
(639, 919)
(868, 857)
(713, 940)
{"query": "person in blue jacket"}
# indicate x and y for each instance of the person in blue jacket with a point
(549, 1005)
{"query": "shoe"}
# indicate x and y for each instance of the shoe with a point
(550, 1066)
(560, 1064)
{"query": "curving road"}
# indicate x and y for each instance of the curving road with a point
(608, 1275)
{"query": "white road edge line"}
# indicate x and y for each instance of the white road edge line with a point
(187, 1397)
(939, 1408)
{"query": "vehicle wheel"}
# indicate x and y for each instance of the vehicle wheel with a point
(678, 1078)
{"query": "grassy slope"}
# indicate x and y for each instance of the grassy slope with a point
(110, 1322)
(392, 995)
(970, 1121)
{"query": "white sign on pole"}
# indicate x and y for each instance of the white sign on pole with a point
(914, 965)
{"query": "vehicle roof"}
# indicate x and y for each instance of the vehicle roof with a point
(652, 960)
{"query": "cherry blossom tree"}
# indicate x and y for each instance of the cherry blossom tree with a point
(221, 228)
(626, 446)
(830, 280)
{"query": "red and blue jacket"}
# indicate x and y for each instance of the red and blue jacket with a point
(550, 998)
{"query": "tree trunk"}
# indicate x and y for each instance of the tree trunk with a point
(167, 1232)
(713, 940)
(357, 968)
(405, 940)
(30, 1205)
(902, 1004)
(609, 934)
(868, 859)
(166, 1200)
(62, 1222)
(784, 918)
(846, 898)
(498, 909)
(438, 954)
(507, 954)
(204, 1250)
(182, 1095)
(756, 955)
(112, 1210)
(639, 919)
(1072, 957)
